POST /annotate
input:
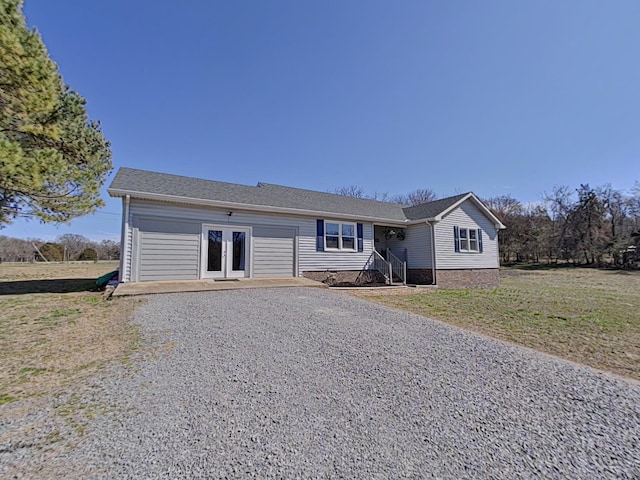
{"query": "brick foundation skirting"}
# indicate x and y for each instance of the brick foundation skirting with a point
(420, 276)
(484, 278)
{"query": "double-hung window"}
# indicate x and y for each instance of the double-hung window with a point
(473, 240)
(340, 236)
(468, 239)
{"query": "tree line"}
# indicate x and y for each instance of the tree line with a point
(582, 226)
(68, 247)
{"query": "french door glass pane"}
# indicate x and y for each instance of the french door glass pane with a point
(238, 251)
(214, 257)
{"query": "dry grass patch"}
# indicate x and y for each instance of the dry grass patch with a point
(50, 341)
(54, 270)
(585, 315)
(55, 333)
(26, 278)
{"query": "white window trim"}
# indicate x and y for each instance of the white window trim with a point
(340, 248)
(468, 239)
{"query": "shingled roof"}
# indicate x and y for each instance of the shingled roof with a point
(432, 209)
(147, 184)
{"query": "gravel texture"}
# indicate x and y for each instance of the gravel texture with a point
(311, 383)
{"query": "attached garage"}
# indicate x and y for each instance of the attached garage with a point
(274, 252)
(168, 250)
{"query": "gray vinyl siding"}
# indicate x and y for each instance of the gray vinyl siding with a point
(417, 241)
(312, 260)
(308, 258)
(169, 249)
(467, 215)
(273, 252)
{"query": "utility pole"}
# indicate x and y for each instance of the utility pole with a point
(39, 252)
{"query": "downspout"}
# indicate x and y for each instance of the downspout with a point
(433, 252)
(123, 238)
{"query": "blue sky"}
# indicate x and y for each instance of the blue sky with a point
(497, 97)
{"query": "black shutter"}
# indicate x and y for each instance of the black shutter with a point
(320, 236)
(456, 238)
(360, 241)
(480, 240)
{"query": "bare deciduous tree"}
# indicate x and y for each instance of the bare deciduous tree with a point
(17, 249)
(73, 245)
(416, 197)
(108, 250)
(351, 191)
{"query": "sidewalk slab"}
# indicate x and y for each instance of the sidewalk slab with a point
(176, 286)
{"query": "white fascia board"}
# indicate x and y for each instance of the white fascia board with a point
(245, 206)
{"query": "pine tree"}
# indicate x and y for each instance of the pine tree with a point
(53, 159)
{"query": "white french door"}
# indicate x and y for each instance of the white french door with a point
(225, 251)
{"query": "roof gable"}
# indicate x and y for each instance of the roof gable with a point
(476, 201)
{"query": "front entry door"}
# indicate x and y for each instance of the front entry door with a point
(225, 252)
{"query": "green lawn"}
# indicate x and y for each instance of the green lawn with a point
(585, 315)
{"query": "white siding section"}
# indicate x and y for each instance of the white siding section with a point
(467, 215)
(417, 241)
(273, 252)
(308, 258)
(169, 250)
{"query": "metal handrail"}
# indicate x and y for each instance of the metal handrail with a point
(380, 264)
(377, 262)
(397, 266)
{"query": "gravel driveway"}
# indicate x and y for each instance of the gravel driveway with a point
(311, 383)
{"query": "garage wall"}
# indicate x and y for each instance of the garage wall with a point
(273, 252)
(169, 249)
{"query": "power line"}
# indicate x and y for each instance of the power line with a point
(108, 213)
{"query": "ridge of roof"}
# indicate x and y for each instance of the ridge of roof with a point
(317, 192)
